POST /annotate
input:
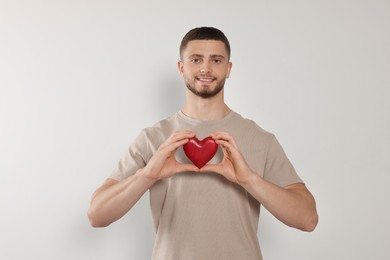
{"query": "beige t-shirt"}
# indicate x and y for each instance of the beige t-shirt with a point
(204, 216)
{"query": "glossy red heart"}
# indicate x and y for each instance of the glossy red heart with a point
(200, 152)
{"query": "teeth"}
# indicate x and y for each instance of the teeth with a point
(206, 79)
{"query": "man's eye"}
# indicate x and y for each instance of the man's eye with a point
(217, 61)
(195, 60)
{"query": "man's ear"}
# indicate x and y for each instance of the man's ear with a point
(180, 67)
(229, 69)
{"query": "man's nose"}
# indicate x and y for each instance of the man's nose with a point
(205, 68)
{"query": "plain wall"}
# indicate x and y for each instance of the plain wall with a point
(80, 79)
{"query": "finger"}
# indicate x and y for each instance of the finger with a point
(228, 149)
(211, 168)
(216, 135)
(225, 144)
(187, 168)
(178, 137)
(172, 147)
(224, 136)
(182, 135)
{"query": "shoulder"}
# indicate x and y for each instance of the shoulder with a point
(160, 130)
(250, 128)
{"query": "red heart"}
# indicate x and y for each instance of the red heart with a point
(200, 152)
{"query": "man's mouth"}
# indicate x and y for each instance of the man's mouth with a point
(205, 79)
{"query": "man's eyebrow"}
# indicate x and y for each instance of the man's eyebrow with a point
(217, 56)
(196, 56)
(211, 56)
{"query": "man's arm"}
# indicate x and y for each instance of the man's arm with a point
(115, 198)
(293, 205)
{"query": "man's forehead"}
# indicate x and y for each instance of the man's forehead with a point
(206, 47)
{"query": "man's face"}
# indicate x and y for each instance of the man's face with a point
(204, 65)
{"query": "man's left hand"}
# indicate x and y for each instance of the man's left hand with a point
(233, 165)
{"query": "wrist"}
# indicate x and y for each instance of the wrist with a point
(145, 175)
(251, 179)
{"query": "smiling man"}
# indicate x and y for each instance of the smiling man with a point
(212, 212)
(205, 69)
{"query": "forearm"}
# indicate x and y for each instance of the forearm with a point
(112, 201)
(294, 205)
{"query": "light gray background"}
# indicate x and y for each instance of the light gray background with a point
(80, 79)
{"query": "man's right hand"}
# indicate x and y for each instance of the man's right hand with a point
(163, 163)
(114, 198)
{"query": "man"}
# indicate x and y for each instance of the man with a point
(212, 212)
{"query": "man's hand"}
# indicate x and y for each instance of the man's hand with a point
(293, 205)
(115, 198)
(163, 163)
(233, 165)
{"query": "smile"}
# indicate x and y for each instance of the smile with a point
(205, 79)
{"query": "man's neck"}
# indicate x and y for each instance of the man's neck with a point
(205, 109)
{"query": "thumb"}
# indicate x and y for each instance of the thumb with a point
(187, 168)
(210, 168)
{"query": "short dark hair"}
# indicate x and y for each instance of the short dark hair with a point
(205, 33)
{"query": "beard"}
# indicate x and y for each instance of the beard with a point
(205, 93)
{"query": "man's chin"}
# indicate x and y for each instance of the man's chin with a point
(206, 93)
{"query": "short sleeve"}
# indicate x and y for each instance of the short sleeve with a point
(133, 159)
(278, 168)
